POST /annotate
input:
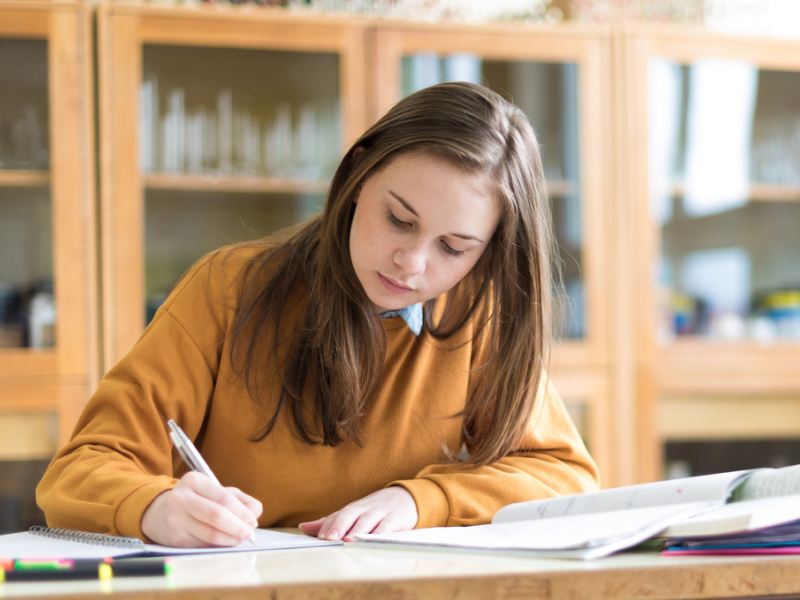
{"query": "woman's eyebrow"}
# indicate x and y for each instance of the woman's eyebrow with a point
(409, 208)
(405, 204)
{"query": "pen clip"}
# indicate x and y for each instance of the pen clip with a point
(188, 452)
(193, 458)
(187, 457)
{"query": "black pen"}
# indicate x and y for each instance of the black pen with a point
(62, 568)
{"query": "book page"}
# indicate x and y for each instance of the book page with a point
(705, 488)
(739, 516)
(765, 483)
(614, 530)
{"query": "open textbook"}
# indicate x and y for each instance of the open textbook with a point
(597, 524)
(44, 542)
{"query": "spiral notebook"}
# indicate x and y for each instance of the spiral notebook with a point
(46, 542)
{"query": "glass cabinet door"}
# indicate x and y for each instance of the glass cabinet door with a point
(27, 306)
(233, 146)
(239, 121)
(717, 202)
(560, 78)
(555, 78)
(547, 92)
(48, 310)
(725, 192)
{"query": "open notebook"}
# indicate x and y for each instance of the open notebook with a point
(44, 542)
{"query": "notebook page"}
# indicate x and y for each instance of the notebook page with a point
(265, 540)
(765, 483)
(26, 545)
(706, 488)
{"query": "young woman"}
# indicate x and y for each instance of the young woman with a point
(377, 368)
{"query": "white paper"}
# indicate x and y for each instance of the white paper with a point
(577, 536)
(722, 95)
(675, 491)
(738, 517)
(27, 545)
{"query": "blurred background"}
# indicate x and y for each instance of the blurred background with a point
(137, 136)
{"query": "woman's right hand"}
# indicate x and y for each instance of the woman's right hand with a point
(198, 512)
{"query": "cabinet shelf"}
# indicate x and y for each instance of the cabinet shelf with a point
(23, 362)
(715, 367)
(232, 183)
(775, 191)
(274, 185)
(24, 178)
(759, 192)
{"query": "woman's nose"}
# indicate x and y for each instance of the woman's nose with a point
(411, 259)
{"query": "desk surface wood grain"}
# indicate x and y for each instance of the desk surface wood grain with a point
(362, 572)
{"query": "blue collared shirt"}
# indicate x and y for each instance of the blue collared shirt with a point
(412, 315)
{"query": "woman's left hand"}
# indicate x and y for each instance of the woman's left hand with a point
(385, 511)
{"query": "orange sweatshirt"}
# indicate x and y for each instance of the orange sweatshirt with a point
(120, 456)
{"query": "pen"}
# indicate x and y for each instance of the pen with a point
(192, 457)
(59, 569)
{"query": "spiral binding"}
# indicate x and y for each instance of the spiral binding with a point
(96, 539)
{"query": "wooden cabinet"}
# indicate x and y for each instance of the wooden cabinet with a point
(561, 79)
(683, 306)
(217, 124)
(48, 278)
(713, 141)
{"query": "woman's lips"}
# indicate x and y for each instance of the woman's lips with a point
(392, 286)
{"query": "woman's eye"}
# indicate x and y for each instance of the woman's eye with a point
(450, 250)
(394, 220)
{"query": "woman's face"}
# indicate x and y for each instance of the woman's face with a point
(420, 225)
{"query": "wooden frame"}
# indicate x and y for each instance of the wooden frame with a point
(122, 31)
(689, 368)
(59, 380)
(592, 389)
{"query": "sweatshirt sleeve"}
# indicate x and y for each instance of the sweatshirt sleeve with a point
(120, 455)
(551, 461)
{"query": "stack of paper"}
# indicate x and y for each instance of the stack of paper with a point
(592, 525)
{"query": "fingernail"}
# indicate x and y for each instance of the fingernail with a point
(333, 535)
(301, 524)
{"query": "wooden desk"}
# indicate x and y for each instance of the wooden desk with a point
(366, 573)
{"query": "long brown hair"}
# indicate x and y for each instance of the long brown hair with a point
(334, 356)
